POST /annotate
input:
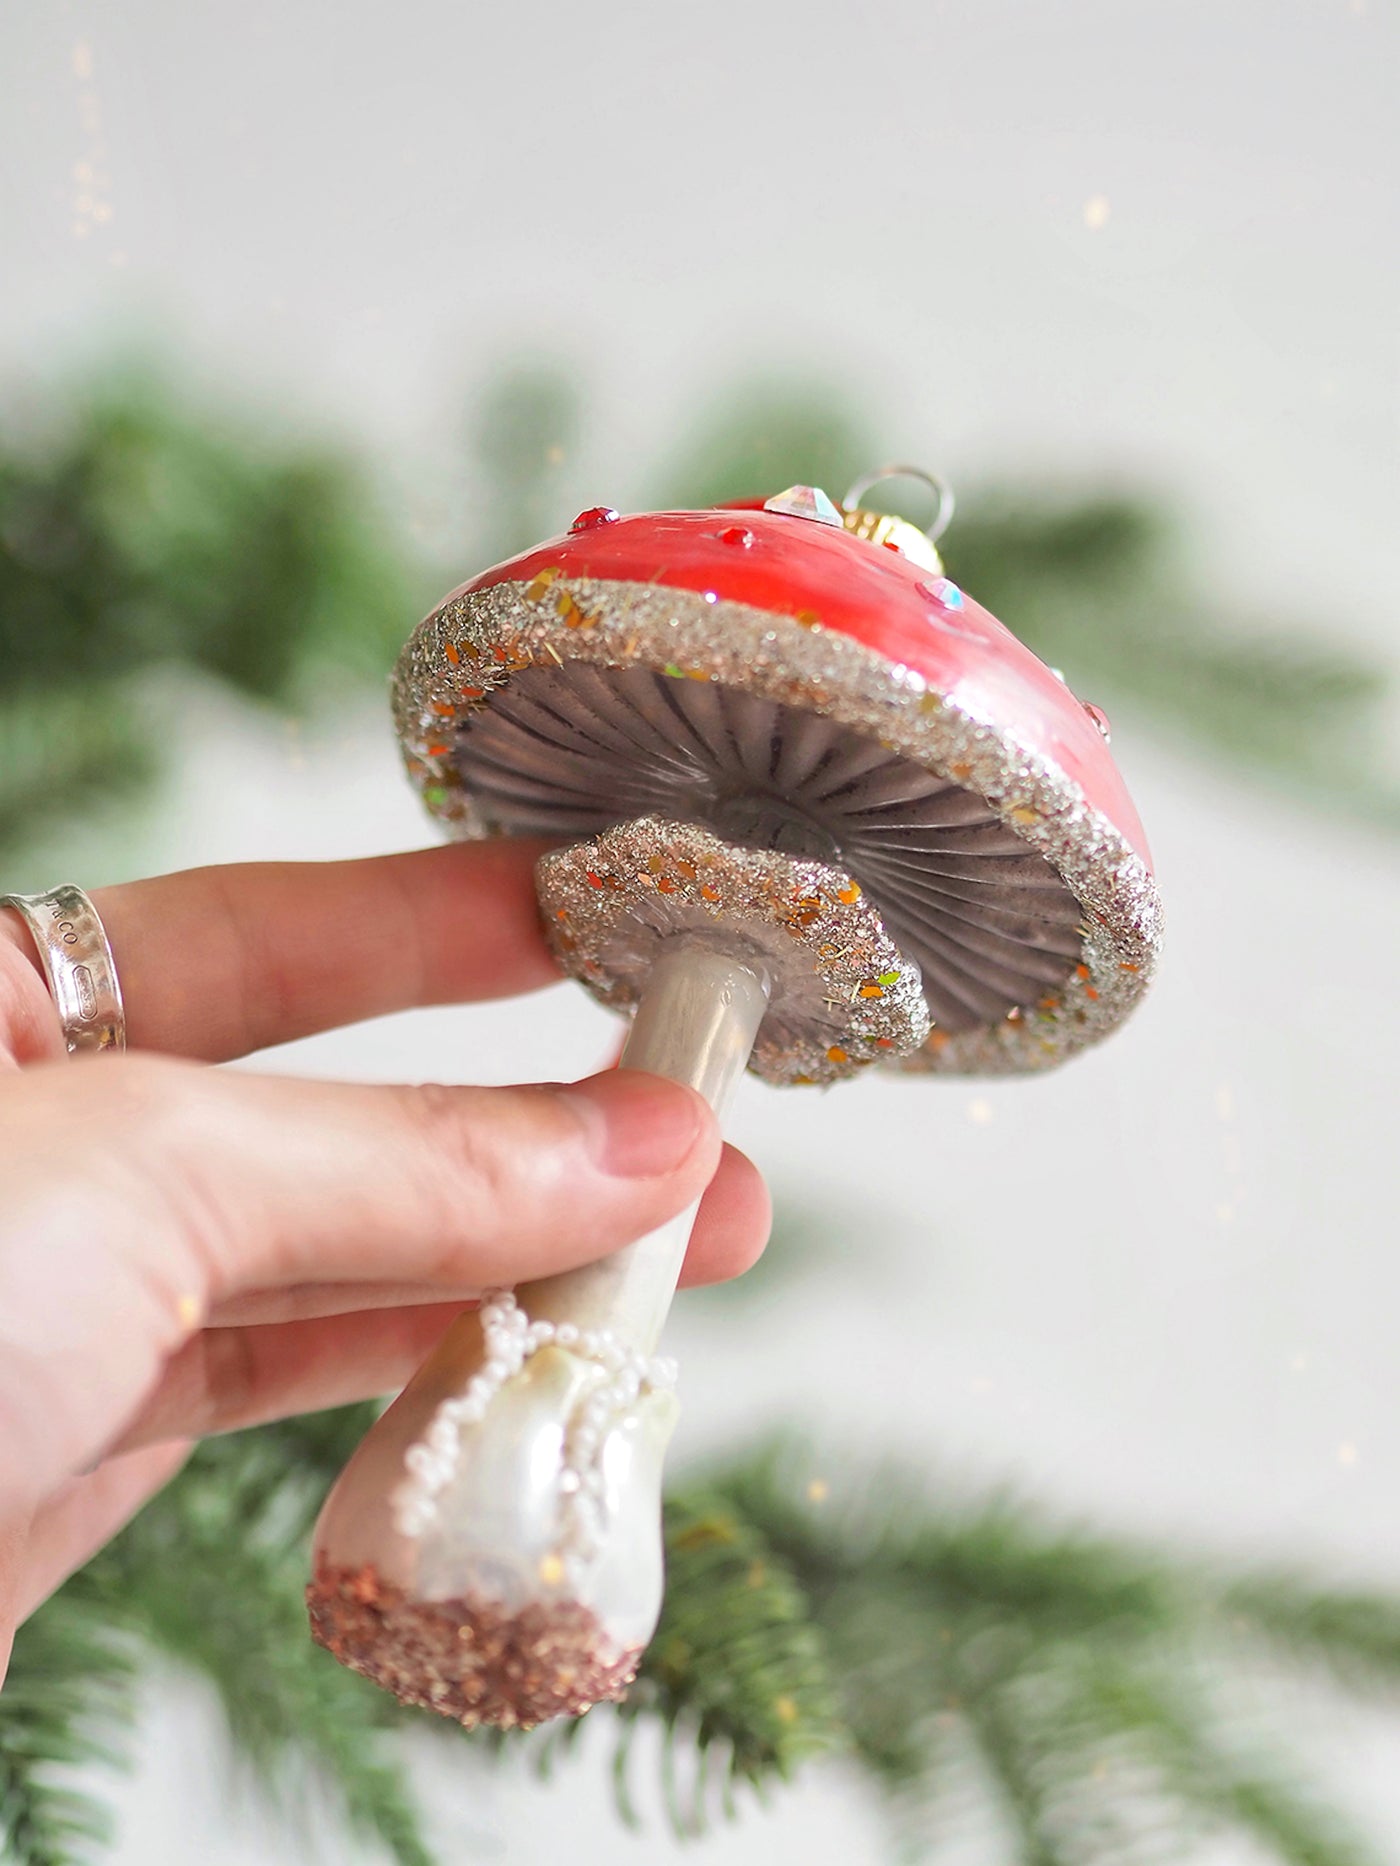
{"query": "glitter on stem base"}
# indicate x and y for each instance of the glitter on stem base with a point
(468, 1659)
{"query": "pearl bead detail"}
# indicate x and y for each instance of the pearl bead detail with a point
(621, 1376)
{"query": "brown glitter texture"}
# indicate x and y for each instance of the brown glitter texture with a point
(470, 1660)
(843, 994)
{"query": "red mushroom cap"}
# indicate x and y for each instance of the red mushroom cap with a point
(793, 679)
(875, 595)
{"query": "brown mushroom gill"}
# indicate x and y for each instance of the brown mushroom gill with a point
(567, 752)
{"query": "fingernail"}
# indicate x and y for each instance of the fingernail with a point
(639, 1126)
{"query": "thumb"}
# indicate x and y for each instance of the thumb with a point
(192, 1184)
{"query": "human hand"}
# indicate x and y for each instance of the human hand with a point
(185, 1250)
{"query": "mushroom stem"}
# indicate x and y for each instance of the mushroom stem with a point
(493, 1549)
(696, 1023)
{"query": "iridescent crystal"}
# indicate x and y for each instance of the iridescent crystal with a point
(944, 592)
(806, 502)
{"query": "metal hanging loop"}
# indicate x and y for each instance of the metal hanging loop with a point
(942, 491)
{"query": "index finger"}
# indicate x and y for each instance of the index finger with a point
(217, 962)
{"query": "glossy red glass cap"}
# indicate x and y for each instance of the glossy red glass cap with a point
(822, 574)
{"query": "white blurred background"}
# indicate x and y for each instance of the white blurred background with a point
(1112, 241)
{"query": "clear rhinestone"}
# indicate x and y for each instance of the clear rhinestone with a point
(1100, 719)
(806, 502)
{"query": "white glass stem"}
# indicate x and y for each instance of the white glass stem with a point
(696, 1024)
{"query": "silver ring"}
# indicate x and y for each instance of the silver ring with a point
(942, 491)
(78, 964)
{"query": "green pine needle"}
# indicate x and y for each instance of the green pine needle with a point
(67, 749)
(1157, 1710)
(211, 1576)
(67, 1707)
(1080, 1674)
(139, 539)
(760, 437)
(1353, 1637)
(1097, 587)
(736, 1668)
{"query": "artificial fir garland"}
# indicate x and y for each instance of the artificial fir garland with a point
(965, 1655)
(952, 1650)
(142, 539)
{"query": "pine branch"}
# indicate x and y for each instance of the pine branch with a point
(524, 426)
(1073, 1664)
(136, 538)
(809, 1607)
(736, 1665)
(1097, 588)
(280, 1473)
(1198, 1767)
(736, 1676)
(963, 1554)
(1009, 1760)
(764, 435)
(68, 1705)
(65, 749)
(1353, 1636)
(235, 1537)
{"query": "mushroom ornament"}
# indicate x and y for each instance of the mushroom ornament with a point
(816, 812)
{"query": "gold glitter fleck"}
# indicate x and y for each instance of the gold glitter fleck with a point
(1096, 212)
(539, 587)
(713, 1528)
(818, 1490)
